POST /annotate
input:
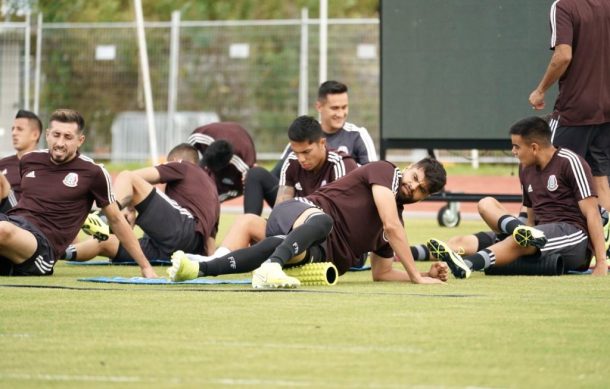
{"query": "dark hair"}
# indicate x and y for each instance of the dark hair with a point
(217, 155)
(305, 128)
(331, 88)
(185, 152)
(32, 117)
(533, 129)
(68, 116)
(434, 172)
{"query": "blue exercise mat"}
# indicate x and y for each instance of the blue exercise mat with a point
(154, 262)
(363, 268)
(161, 281)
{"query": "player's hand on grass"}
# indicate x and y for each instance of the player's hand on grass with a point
(149, 272)
(439, 270)
(600, 269)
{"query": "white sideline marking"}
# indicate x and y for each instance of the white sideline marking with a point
(68, 378)
(338, 348)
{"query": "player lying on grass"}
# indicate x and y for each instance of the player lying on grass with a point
(558, 194)
(185, 217)
(361, 212)
(58, 188)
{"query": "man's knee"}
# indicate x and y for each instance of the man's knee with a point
(322, 221)
(7, 231)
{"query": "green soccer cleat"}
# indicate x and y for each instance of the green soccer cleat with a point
(95, 226)
(182, 269)
(526, 236)
(271, 276)
(442, 252)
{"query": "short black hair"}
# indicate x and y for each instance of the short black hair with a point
(533, 129)
(435, 174)
(64, 115)
(331, 87)
(217, 155)
(305, 128)
(32, 117)
(185, 152)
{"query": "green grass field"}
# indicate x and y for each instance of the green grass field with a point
(492, 332)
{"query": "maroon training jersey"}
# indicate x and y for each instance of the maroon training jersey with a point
(554, 192)
(192, 188)
(9, 166)
(304, 182)
(584, 88)
(229, 181)
(357, 227)
(57, 198)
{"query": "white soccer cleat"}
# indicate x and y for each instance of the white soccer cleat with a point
(271, 276)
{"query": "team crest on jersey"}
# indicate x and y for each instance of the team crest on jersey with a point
(343, 149)
(71, 180)
(551, 184)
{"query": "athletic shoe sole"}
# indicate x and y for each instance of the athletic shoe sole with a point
(441, 251)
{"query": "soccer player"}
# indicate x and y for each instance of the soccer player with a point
(558, 193)
(185, 217)
(361, 212)
(228, 152)
(309, 167)
(58, 188)
(26, 132)
(333, 106)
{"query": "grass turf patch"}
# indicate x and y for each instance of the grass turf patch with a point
(481, 332)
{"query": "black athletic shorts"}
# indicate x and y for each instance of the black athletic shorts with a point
(590, 142)
(282, 219)
(569, 242)
(39, 264)
(167, 227)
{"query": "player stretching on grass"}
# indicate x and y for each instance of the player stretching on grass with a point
(361, 212)
(185, 217)
(58, 188)
(309, 167)
(559, 196)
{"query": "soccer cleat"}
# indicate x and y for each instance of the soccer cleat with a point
(270, 275)
(526, 236)
(96, 227)
(182, 269)
(442, 252)
(319, 273)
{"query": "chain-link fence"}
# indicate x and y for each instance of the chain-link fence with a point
(244, 71)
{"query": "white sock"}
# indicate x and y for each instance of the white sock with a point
(221, 252)
(199, 258)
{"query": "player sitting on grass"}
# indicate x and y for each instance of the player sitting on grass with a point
(58, 188)
(185, 217)
(361, 212)
(559, 196)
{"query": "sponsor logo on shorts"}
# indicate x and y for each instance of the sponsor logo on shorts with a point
(551, 184)
(529, 188)
(71, 180)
